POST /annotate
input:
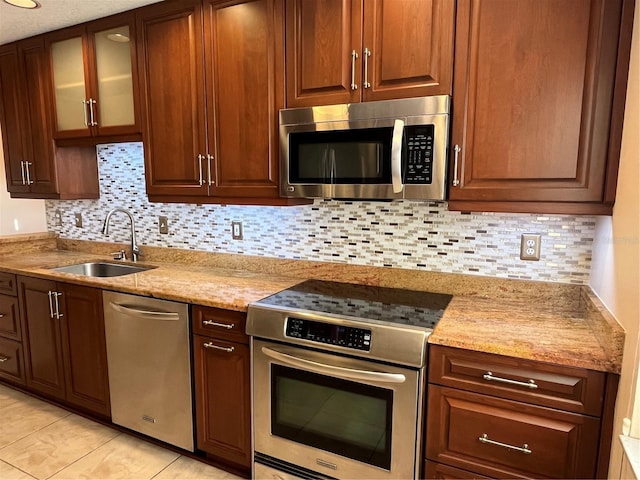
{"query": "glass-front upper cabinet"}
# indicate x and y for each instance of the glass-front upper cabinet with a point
(94, 79)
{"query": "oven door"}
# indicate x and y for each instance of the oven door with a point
(341, 417)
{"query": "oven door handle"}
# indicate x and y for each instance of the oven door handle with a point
(348, 373)
(396, 156)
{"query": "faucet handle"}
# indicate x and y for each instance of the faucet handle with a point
(121, 255)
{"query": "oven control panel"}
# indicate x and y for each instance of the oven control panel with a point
(321, 332)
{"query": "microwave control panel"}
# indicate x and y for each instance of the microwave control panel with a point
(321, 332)
(418, 165)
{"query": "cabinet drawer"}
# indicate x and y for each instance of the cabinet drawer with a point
(445, 472)
(8, 284)
(11, 361)
(219, 323)
(9, 318)
(502, 438)
(568, 388)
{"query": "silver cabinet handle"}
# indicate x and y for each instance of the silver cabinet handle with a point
(1, 315)
(228, 326)
(200, 179)
(91, 103)
(396, 156)
(84, 112)
(147, 314)
(366, 55)
(4, 358)
(354, 56)
(51, 314)
(524, 449)
(209, 162)
(490, 378)
(341, 372)
(218, 347)
(24, 181)
(456, 153)
(27, 168)
(57, 305)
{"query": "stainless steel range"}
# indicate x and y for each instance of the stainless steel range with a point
(338, 376)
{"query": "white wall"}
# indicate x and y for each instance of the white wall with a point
(19, 215)
(615, 270)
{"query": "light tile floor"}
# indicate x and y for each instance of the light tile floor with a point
(41, 441)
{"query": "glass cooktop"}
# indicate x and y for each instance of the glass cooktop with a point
(381, 304)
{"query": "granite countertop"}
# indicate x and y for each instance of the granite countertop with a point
(581, 334)
(214, 287)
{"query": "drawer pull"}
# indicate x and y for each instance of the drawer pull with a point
(490, 378)
(524, 449)
(3, 358)
(228, 326)
(218, 347)
(1, 315)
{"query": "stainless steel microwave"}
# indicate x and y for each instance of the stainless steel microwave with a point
(390, 149)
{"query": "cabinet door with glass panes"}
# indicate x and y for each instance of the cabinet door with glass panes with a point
(94, 79)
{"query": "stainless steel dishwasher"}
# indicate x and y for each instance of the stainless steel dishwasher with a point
(149, 366)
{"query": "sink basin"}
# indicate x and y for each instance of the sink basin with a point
(101, 269)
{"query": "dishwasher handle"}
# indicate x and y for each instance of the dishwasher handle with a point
(146, 314)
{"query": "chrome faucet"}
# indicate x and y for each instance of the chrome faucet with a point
(135, 250)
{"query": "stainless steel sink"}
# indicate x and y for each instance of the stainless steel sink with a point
(101, 269)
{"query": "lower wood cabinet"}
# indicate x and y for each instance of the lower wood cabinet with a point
(501, 417)
(222, 385)
(11, 354)
(64, 343)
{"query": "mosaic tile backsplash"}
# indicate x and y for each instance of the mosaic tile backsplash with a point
(400, 234)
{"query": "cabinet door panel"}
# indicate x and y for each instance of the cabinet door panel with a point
(320, 37)
(223, 393)
(41, 338)
(534, 83)
(245, 81)
(70, 87)
(11, 108)
(9, 318)
(172, 78)
(38, 142)
(114, 80)
(114, 77)
(84, 346)
(11, 361)
(411, 44)
(559, 444)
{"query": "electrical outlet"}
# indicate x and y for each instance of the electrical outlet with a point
(58, 218)
(530, 246)
(163, 224)
(78, 217)
(236, 230)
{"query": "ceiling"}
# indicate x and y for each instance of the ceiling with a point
(17, 23)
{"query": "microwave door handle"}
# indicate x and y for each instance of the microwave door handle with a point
(396, 156)
(347, 373)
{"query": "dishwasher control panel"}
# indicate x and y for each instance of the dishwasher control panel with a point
(330, 333)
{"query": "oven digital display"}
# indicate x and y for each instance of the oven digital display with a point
(329, 333)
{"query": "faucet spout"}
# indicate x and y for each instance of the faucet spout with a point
(135, 249)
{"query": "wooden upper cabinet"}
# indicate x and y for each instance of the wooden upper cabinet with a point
(212, 76)
(35, 167)
(170, 54)
(532, 105)
(94, 78)
(322, 40)
(245, 90)
(11, 116)
(344, 51)
(26, 125)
